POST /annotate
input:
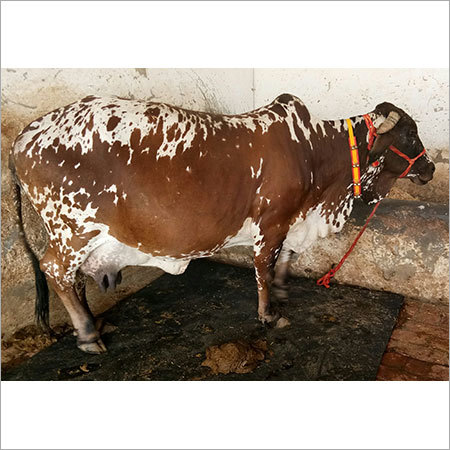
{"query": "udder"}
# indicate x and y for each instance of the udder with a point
(106, 261)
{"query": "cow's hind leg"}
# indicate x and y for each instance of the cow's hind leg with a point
(80, 287)
(62, 280)
(88, 337)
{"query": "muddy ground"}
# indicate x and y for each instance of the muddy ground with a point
(202, 325)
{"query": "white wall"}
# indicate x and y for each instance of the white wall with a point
(339, 93)
(32, 91)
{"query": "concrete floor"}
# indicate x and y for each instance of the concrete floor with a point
(202, 326)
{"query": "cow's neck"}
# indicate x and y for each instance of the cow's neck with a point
(361, 133)
(368, 172)
(336, 189)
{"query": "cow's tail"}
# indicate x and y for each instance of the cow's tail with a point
(42, 310)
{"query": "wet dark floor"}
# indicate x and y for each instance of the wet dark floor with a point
(164, 330)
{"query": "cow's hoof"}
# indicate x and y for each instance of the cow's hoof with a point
(93, 348)
(269, 318)
(282, 322)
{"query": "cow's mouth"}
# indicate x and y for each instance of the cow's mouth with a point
(420, 180)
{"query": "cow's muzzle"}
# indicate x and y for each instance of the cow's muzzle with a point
(425, 175)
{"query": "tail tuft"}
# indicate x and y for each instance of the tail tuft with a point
(42, 309)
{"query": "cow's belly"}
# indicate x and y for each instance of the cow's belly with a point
(306, 230)
(111, 256)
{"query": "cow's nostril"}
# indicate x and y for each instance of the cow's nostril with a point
(433, 168)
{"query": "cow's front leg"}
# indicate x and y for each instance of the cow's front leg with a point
(265, 255)
(279, 284)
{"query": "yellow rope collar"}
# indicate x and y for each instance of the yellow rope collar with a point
(354, 155)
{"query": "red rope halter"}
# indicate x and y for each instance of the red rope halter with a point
(373, 134)
(411, 161)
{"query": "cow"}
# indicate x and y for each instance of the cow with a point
(121, 182)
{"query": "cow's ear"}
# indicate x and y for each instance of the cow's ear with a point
(381, 144)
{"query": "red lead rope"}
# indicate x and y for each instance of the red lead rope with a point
(325, 280)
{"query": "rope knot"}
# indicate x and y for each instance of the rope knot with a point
(325, 280)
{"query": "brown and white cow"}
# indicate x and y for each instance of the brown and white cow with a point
(121, 182)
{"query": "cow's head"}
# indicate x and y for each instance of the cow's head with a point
(398, 129)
